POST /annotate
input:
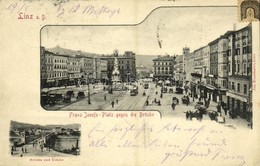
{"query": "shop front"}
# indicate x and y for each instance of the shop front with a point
(237, 104)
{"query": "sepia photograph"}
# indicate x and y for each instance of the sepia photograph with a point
(27, 140)
(192, 68)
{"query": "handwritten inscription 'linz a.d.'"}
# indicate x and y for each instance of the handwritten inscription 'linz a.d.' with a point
(171, 142)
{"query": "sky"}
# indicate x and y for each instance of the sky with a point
(175, 28)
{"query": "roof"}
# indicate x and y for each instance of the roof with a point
(165, 58)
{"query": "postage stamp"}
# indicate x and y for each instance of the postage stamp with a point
(248, 10)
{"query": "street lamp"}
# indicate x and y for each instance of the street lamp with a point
(88, 89)
(128, 74)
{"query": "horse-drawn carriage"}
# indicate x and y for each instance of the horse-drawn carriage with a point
(81, 95)
(199, 106)
(185, 100)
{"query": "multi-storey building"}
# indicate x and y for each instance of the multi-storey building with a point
(126, 65)
(100, 69)
(74, 73)
(178, 71)
(205, 69)
(189, 67)
(163, 67)
(222, 68)
(185, 52)
(197, 73)
(49, 71)
(87, 67)
(211, 90)
(103, 69)
(43, 67)
(240, 71)
(60, 69)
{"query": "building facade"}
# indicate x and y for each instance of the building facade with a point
(60, 69)
(163, 67)
(211, 88)
(74, 73)
(87, 67)
(239, 52)
(205, 68)
(178, 71)
(126, 65)
(222, 81)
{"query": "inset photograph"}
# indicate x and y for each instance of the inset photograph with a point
(185, 68)
(44, 140)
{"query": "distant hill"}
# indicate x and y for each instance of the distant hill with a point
(16, 125)
(144, 60)
(64, 51)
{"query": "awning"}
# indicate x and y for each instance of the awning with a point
(210, 87)
(196, 75)
(235, 96)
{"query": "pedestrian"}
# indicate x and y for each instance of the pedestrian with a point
(225, 110)
(22, 150)
(187, 115)
(188, 101)
(147, 102)
(161, 95)
(190, 113)
(155, 101)
(25, 149)
(173, 106)
(113, 103)
(159, 102)
(201, 115)
(42, 148)
(219, 109)
(105, 97)
(116, 101)
(156, 92)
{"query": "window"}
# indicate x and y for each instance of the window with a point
(244, 67)
(238, 87)
(224, 83)
(245, 88)
(229, 68)
(224, 67)
(244, 50)
(237, 51)
(229, 53)
(233, 86)
(238, 68)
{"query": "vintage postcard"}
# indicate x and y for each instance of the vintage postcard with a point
(100, 82)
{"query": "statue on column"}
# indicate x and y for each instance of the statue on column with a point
(115, 73)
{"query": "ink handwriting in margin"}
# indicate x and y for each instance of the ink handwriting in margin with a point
(91, 10)
(196, 145)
